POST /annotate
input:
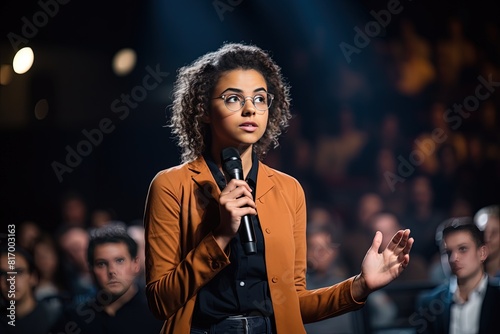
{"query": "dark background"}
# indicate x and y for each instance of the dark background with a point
(72, 70)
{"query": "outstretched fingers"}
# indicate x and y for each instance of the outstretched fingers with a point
(404, 256)
(399, 241)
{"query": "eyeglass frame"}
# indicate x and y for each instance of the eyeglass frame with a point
(245, 98)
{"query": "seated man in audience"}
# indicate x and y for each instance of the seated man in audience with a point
(470, 302)
(20, 312)
(119, 306)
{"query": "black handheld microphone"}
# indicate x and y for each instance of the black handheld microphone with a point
(231, 163)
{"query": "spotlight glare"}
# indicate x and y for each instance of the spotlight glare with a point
(23, 60)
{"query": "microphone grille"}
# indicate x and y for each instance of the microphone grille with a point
(231, 159)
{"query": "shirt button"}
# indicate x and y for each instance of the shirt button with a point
(274, 279)
(242, 283)
(268, 231)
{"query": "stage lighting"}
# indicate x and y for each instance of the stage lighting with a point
(23, 60)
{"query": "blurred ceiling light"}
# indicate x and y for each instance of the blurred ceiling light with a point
(23, 60)
(5, 74)
(124, 61)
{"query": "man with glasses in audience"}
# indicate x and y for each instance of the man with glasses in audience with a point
(20, 312)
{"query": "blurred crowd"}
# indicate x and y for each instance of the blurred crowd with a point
(423, 147)
(408, 144)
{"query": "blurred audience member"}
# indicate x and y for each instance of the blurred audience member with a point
(50, 288)
(136, 232)
(488, 220)
(323, 256)
(324, 269)
(101, 217)
(460, 207)
(73, 242)
(439, 131)
(335, 153)
(388, 184)
(27, 233)
(360, 234)
(74, 210)
(25, 315)
(422, 218)
(368, 205)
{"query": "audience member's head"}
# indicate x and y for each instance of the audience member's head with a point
(101, 217)
(47, 261)
(137, 232)
(421, 192)
(74, 210)
(368, 205)
(112, 257)
(22, 283)
(73, 241)
(322, 248)
(460, 207)
(463, 244)
(27, 233)
(320, 215)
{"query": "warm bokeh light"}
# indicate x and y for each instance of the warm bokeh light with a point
(41, 109)
(124, 61)
(5, 74)
(23, 60)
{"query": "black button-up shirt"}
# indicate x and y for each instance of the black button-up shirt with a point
(241, 287)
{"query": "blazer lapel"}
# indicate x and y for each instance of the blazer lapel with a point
(264, 182)
(447, 311)
(485, 317)
(206, 193)
(204, 179)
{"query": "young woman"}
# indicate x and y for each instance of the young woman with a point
(199, 279)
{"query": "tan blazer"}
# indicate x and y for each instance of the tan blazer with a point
(182, 254)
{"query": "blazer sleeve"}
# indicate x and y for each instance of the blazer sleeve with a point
(172, 277)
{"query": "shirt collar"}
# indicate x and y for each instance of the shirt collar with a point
(480, 289)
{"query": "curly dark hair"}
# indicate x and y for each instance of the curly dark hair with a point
(194, 87)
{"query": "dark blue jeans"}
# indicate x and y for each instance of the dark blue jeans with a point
(238, 325)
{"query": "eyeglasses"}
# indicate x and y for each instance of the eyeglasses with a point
(234, 102)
